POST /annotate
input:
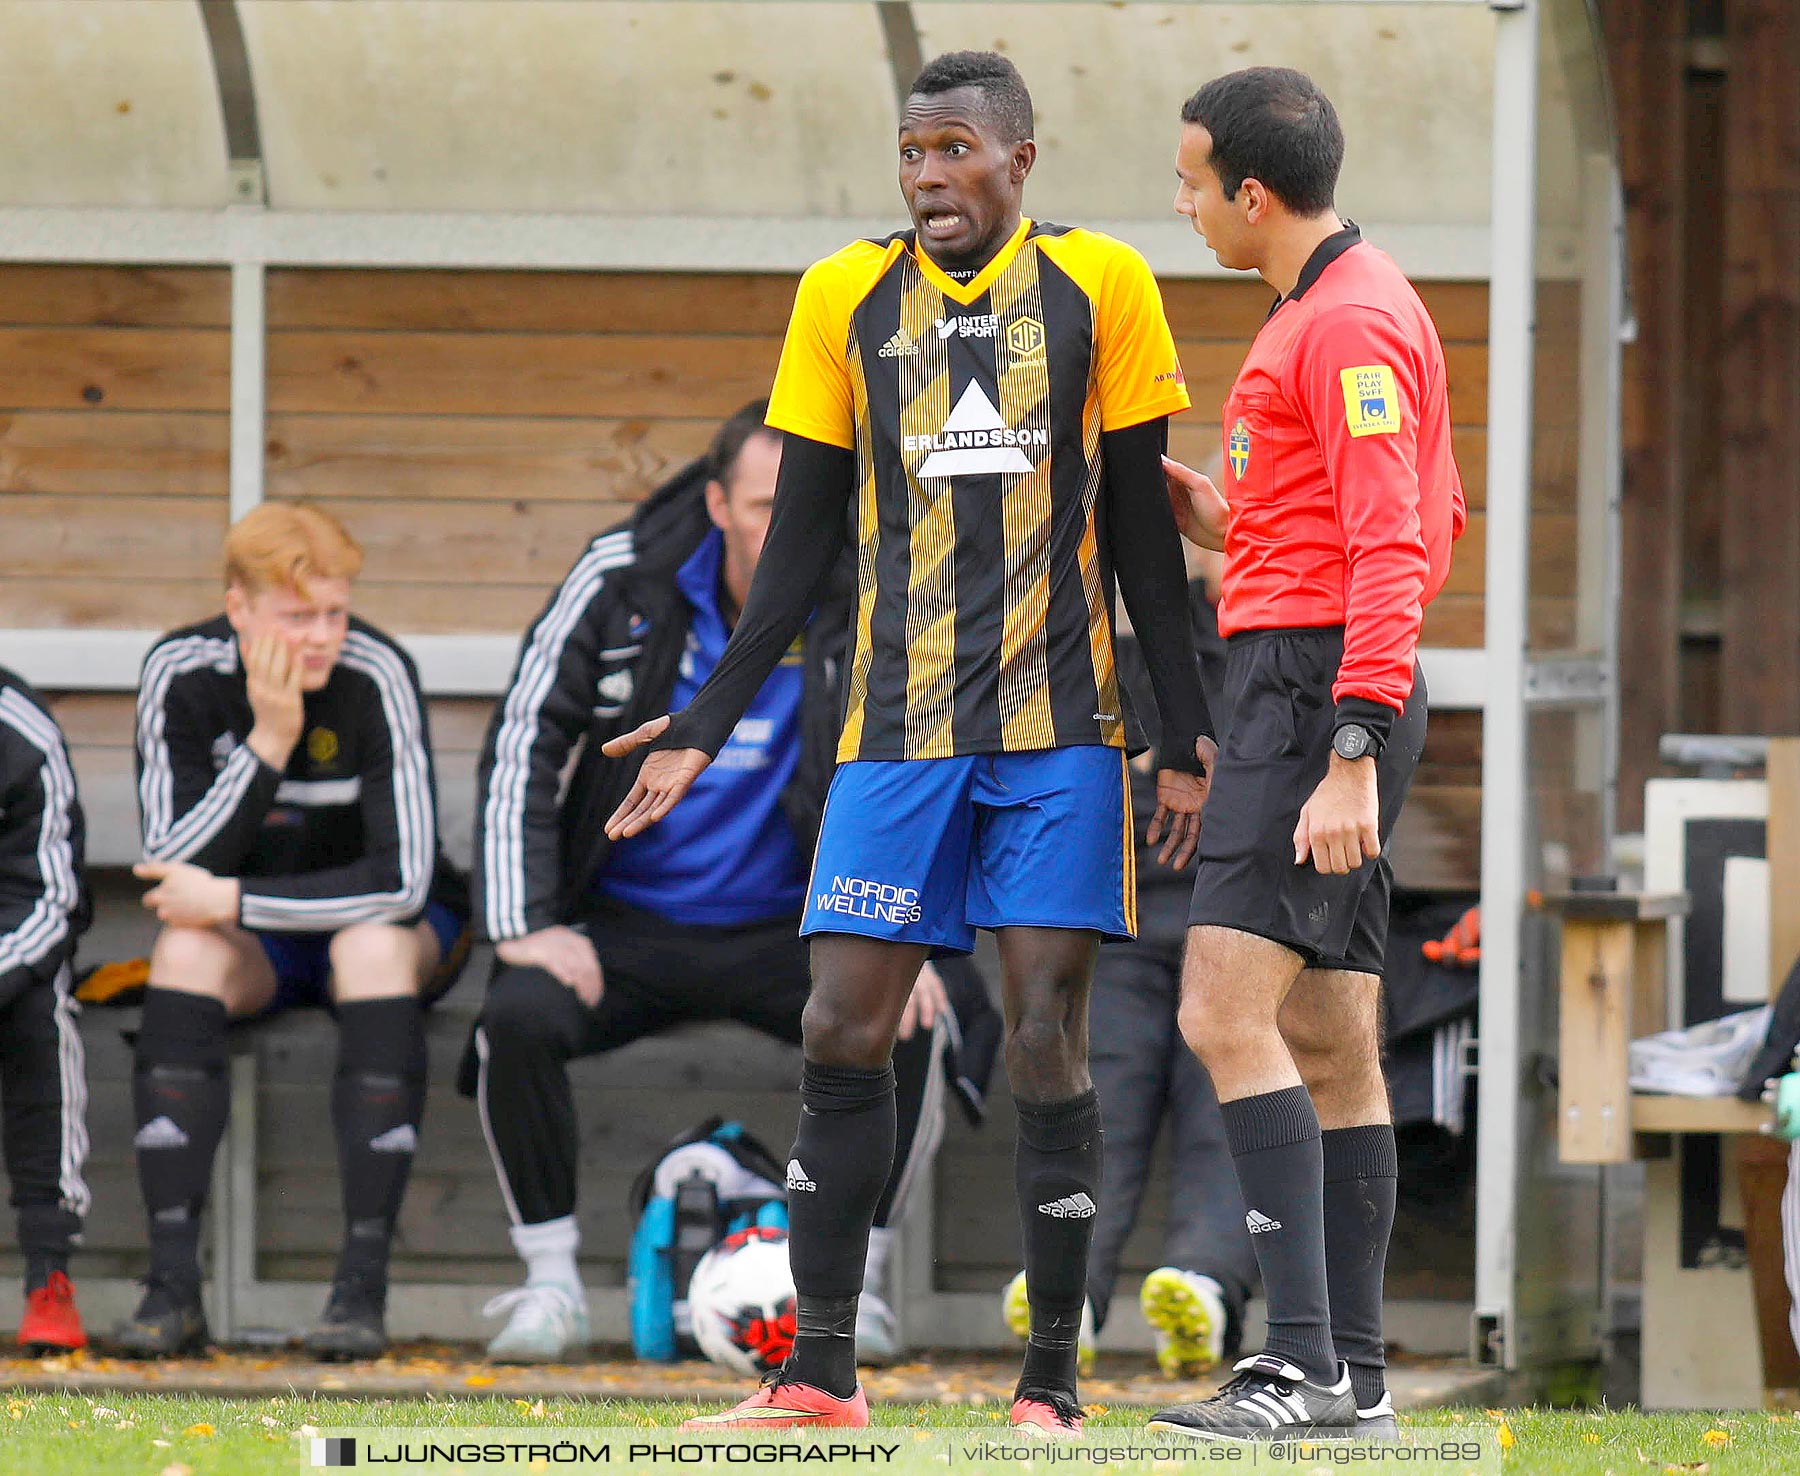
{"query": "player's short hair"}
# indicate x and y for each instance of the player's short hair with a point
(1004, 97)
(285, 545)
(1275, 125)
(729, 440)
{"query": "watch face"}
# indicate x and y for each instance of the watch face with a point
(1350, 741)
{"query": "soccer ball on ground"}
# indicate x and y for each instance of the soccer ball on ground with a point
(742, 1301)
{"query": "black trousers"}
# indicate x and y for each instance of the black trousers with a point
(658, 974)
(1145, 1074)
(43, 1101)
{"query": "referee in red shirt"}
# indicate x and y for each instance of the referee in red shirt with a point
(1340, 503)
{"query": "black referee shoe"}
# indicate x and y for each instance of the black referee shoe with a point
(168, 1322)
(1270, 1399)
(354, 1324)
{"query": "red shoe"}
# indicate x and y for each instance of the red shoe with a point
(1046, 1414)
(51, 1320)
(778, 1406)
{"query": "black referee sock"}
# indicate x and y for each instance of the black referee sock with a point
(1361, 1170)
(1274, 1140)
(181, 1094)
(835, 1176)
(1056, 1170)
(377, 1100)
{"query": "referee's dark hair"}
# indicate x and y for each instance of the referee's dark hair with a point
(1005, 98)
(1275, 125)
(729, 440)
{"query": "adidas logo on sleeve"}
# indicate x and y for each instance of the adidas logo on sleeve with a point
(1070, 1207)
(797, 1178)
(1260, 1224)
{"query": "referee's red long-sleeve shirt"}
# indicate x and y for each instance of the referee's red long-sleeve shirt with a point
(1344, 495)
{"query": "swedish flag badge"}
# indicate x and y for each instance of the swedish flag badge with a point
(1237, 447)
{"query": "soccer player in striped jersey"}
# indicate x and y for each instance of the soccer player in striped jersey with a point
(290, 830)
(986, 397)
(44, 908)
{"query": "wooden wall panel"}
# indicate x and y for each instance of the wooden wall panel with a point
(526, 411)
(113, 443)
(1760, 532)
(1647, 59)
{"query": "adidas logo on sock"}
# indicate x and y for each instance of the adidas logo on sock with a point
(1070, 1207)
(402, 1139)
(160, 1132)
(1260, 1224)
(898, 347)
(797, 1178)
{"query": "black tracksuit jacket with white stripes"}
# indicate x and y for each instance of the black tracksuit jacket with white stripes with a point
(44, 904)
(602, 658)
(348, 834)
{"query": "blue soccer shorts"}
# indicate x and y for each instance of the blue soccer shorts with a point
(928, 850)
(302, 962)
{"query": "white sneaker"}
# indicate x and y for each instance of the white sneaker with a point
(877, 1331)
(548, 1324)
(1015, 1307)
(1186, 1311)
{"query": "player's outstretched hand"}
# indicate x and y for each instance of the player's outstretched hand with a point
(1339, 826)
(1179, 800)
(661, 782)
(1200, 509)
(566, 955)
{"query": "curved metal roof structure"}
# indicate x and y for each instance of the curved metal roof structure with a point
(719, 111)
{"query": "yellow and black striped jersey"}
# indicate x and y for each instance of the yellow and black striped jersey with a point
(975, 412)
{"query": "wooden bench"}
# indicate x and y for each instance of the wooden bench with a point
(275, 1216)
(1698, 1316)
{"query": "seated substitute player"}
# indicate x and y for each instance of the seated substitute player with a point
(44, 908)
(990, 395)
(601, 944)
(1344, 501)
(290, 821)
(1144, 1075)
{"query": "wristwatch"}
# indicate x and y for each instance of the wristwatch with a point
(1352, 741)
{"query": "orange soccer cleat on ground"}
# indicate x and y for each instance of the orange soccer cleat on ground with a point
(782, 1406)
(51, 1320)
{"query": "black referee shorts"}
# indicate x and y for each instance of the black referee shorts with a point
(1276, 749)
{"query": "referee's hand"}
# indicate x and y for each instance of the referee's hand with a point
(1201, 512)
(661, 782)
(1339, 826)
(1179, 800)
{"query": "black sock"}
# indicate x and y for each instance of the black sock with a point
(1274, 1140)
(181, 1093)
(46, 1236)
(1056, 1170)
(1361, 1167)
(840, 1163)
(377, 1100)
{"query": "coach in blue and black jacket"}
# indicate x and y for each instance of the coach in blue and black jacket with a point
(601, 944)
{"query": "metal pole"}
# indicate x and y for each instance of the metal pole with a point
(1504, 823)
(247, 369)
